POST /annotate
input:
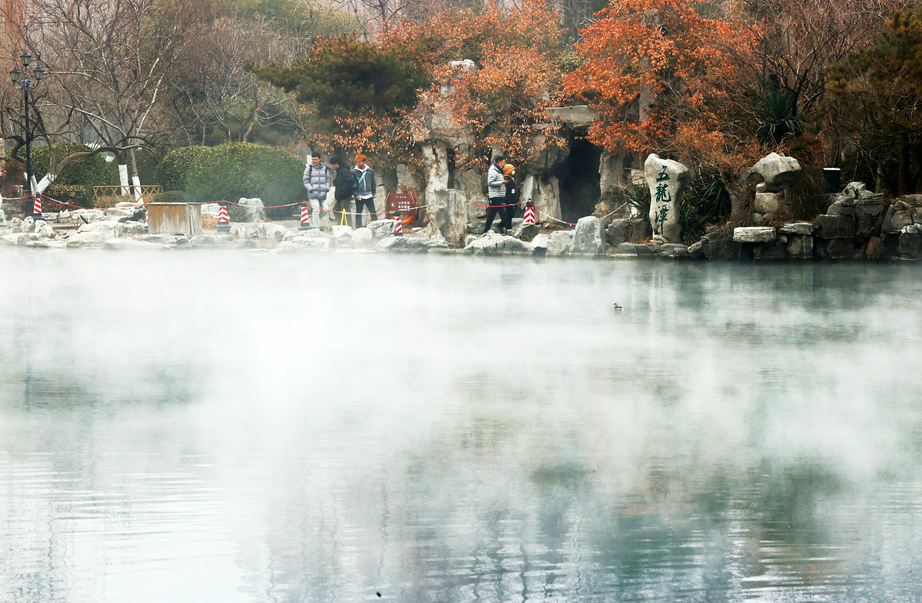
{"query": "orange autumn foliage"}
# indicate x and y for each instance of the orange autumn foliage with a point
(663, 53)
(502, 103)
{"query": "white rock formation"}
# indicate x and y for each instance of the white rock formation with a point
(666, 180)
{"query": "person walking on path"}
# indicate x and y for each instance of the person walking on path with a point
(496, 192)
(512, 195)
(365, 193)
(317, 181)
(344, 186)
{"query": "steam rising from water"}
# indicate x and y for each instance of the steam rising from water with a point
(195, 427)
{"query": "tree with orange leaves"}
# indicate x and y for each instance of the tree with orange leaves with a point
(660, 76)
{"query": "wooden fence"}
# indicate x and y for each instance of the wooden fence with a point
(107, 196)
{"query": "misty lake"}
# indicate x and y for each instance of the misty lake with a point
(231, 427)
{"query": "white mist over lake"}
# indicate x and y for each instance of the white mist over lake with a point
(195, 427)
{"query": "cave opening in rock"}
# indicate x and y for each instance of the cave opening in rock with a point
(579, 179)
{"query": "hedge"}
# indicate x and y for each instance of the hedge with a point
(172, 170)
(234, 170)
(90, 171)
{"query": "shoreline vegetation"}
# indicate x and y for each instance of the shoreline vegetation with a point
(665, 128)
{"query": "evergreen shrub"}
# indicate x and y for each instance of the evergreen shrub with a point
(234, 170)
(90, 171)
(172, 170)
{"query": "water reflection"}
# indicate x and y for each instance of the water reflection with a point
(268, 428)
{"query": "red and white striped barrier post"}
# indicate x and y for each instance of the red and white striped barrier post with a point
(529, 213)
(305, 218)
(223, 220)
(37, 209)
(398, 229)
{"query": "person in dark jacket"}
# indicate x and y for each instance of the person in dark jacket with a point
(344, 186)
(365, 192)
(512, 196)
(496, 192)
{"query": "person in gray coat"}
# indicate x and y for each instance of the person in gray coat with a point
(496, 192)
(317, 181)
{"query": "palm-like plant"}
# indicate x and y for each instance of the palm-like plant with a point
(778, 118)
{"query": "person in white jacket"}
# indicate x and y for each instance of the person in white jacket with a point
(317, 181)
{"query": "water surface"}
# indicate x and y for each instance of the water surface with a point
(195, 427)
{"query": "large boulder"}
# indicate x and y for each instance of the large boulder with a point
(776, 172)
(362, 238)
(865, 206)
(131, 228)
(834, 227)
(539, 244)
(382, 228)
(558, 242)
(526, 232)
(869, 216)
(902, 213)
(618, 231)
(588, 238)
(667, 180)
(342, 235)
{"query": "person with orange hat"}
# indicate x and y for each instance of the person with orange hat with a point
(365, 191)
(512, 195)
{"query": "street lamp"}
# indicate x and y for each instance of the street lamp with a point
(26, 85)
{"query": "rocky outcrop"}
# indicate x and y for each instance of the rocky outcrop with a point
(666, 180)
(776, 172)
(447, 214)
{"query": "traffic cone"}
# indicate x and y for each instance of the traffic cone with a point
(398, 230)
(223, 220)
(305, 218)
(529, 213)
(37, 209)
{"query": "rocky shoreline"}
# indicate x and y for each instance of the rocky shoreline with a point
(858, 225)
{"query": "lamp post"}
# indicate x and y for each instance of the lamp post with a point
(27, 84)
